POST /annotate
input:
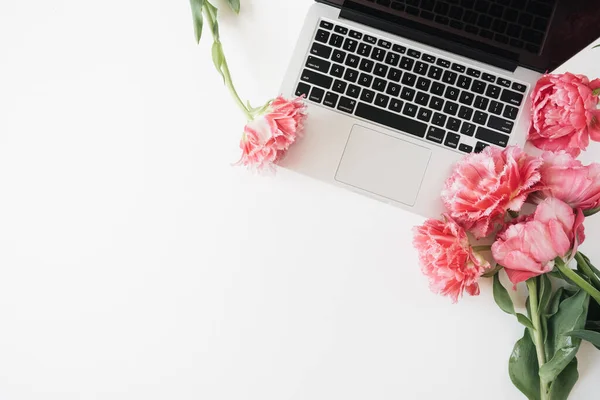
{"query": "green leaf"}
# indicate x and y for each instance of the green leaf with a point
(217, 57)
(502, 297)
(587, 260)
(235, 5)
(214, 12)
(562, 386)
(525, 321)
(197, 17)
(545, 293)
(561, 349)
(523, 368)
(590, 336)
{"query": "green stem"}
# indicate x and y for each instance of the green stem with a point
(587, 270)
(212, 18)
(578, 280)
(538, 337)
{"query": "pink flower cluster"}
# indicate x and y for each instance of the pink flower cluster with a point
(483, 198)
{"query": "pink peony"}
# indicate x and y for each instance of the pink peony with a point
(484, 186)
(447, 258)
(529, 246)
(267, 137)
(565, 114)
(569, 180)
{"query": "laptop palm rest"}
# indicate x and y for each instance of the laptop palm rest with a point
(383, 165)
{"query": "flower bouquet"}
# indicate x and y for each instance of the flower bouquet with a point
(521, 215)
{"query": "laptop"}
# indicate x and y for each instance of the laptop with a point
(399, 90)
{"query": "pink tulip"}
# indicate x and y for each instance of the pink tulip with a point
(528, 247)
(447, 258)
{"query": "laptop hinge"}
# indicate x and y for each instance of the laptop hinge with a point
(428, 35)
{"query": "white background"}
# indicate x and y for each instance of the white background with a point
(137, 263)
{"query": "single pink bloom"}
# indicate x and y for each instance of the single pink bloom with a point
(267, 138)
(447, 258)
(564, 113)
(484, 186)
(569, 180)
(528, 247)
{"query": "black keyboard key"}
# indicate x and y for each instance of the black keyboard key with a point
(394, 75)
(396, 105)
(399, 49)
(503, 82)
(439, 119)
(465, 113)
(393, 89)
(338, 56)
(449, 77)
(423, 84)
(408, 94)
(407, 63)
(420, 68)
(365, 80)
(366, 65)
(409, 79)
(330, 99)
(530, 35)
(370, 39)
(350, 45)
(478, 87)
(451, 93)
(322, 36)
(341, 29)
(414, 53)
(443, 63)
(500, 124)
(382, 100)
(466, 98)
(492, 137)
(424, 114)
(422, 98)
(303, 89)
(337, 71)
(464, 82)
(489, 78)
(437, 88)
(427, 15)
(435, 73)
(457, 24)
(380, 70)
(351, 75)
(473, 72)
(429, 58)
(378, 54)
(480, 146)
(364, 49)
(458, 68)
(510, 112)
(495, 107)
(436, 103)
(346, 105)
(379, 84)
(384, 43)
(336, 40)
(352, 61)
(392, 59)
(339, 86)
(467, 129)
(316, 78)
(356, 35)
(367, 96)
(493, 91)
(321, 50)
(316, 94)
(353, 91)
(392, 120)
(435, 134)
(481, 103)
(518, 87)
(453, 124)
(511, 97)
(450, 108)
(465, 148)
(480, 117)
(326, 25)
(452, 140)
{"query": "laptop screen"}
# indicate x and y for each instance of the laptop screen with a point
(537, 34)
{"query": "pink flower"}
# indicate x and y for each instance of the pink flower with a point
(528, 247)
(447, 259)
(484, 186)
(569, 180)
(267, 138)
(564, 113)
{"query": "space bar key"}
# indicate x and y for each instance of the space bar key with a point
(392, 120)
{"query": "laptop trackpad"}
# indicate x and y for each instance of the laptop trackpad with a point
(383, 165)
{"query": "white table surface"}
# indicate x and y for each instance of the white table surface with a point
(137, 263)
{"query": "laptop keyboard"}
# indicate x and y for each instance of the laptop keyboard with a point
(517, 23)
(419, 94)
